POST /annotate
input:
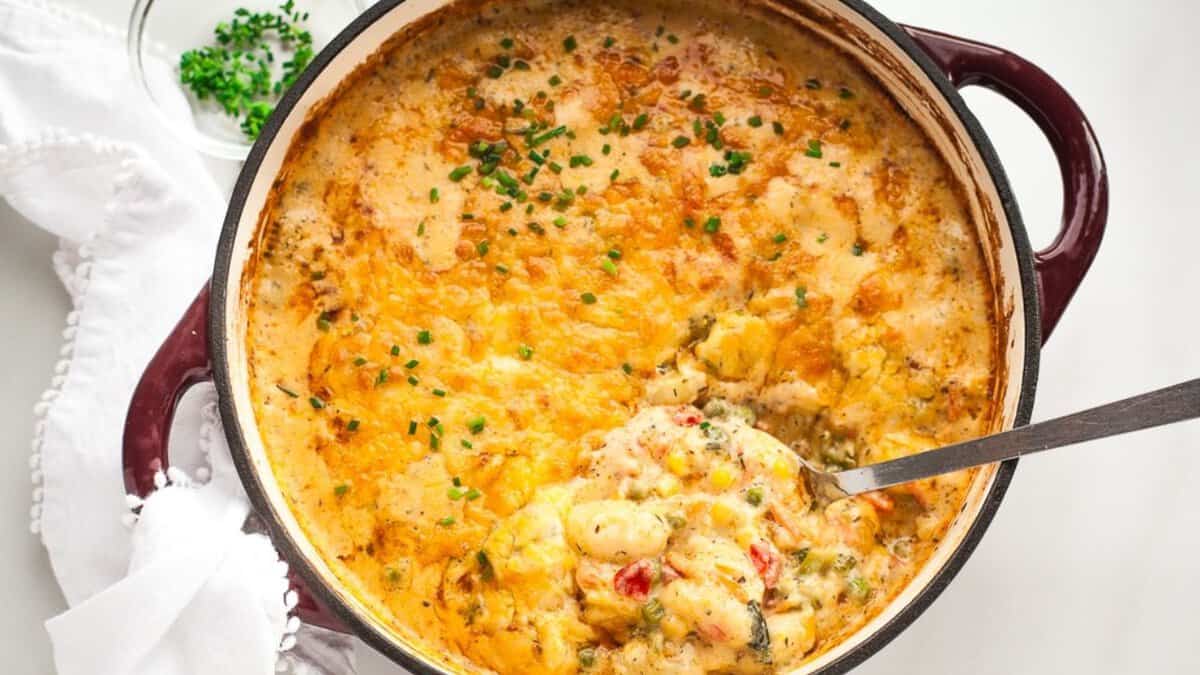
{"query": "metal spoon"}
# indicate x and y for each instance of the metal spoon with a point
(1164, 406)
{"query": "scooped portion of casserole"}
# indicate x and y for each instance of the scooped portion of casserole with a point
(547, 299)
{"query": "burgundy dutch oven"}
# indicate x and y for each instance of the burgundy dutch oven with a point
(921, 68)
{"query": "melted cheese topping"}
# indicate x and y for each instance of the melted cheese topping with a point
(475, 385)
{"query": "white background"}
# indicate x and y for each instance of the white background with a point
(1091, 564)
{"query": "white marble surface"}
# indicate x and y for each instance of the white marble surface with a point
(1090, 565)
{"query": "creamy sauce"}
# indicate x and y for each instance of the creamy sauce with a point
(481, 388)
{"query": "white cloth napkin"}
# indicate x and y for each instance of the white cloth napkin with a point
(181, 590)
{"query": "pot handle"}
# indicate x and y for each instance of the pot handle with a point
(1062, 265)
(181, 362)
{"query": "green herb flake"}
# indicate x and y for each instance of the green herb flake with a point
(440, 393)
(845, 93)
(609, 41)
(482, 247)
(446, 522)
(814, 149)
(341, 490)
(588, 298)
(681, 141)
(395, 351)
(801, 297)
(412, 427)
(609, 267)
(460, 173)
(628, 368)
(712, 224)
(606, 149)
(555, 80)
(754, 496)
(755, 121)
(672, 38)
(525, 352)
(506, 43)
(473, 494)
(570, 44)
(467, 444)
(287, 391)
(382, 377)
(424, 337)
(476, 424)
(352, 425)
(316, 403)
(486, 571)
(836, 165)
(360, 361)
(779, 238)
(641, 121)
(414, 380)
(413, 363)
(456, 493)
(433, 196)
(612, 177)
(822, 238)
(777, 127)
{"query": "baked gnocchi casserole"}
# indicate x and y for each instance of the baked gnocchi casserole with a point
(551, 295)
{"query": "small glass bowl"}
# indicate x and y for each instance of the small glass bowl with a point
(162, 30)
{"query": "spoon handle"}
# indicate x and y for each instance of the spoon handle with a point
(1164, 406)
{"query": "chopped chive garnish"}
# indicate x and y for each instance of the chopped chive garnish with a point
(395, 350)
(287, 391)
(580, 160)
(414, 380)
(556, 167)
(765, 91)
(779, 238)
(412, 427)
(545, 196)
(835, 165)
(341, 490)
(494, 71)
(467, 444)
(555, 80)
(433, 422)
(719, 118)
(560, 222)
(382, 377)
(460, 173)
(814, 149)
(609, 41)
(412, 364)
(435, 442)
(542, 138)
(360, 361)
(717, 170)
(424, 337)
(502, 269)
(613, 176)
(506, 206)
(685, 94)
(536, 228)
(628, 368)
(823, 238)
(672, 39)
(609, 267)
(352, 425)
(681, 141)
(468, 216)
(712, 224)
(755, 121)
(433, 196)
(477, 424)
(640, 121)
(421, 228)
(456, 492)
(482, 248)
(446, 522)
(520, 65)
(323, 323)
(778, 127)
(844, 92)
(473, 494)
(614, 254)
(317, 275)
(456, 481)
(689, 222)
(606, 149)
(525, 352)
(801, 297)
(440, 393)
(570, 44)
(316, 402)
(507, 43)
(588, 298)
(536, 158)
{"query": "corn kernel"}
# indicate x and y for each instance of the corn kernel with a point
(723, 476)
(673, 628)
(722, 513)
(783, 469)
(677, 463)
